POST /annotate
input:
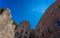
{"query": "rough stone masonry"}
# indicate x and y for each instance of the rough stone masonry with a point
(6, 24)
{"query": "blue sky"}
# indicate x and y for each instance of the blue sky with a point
(29, 10)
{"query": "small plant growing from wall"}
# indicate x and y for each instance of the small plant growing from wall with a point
(14, 22)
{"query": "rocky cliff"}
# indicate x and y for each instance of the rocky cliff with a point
(6, 24)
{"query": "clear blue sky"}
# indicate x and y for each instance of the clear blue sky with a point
(30, 10)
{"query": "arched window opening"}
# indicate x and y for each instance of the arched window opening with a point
(24, 26)
(21, 31)
(20, 36)
(58, 23)
(25, 36)
(26, 32)
(49, 30)
(16, 35)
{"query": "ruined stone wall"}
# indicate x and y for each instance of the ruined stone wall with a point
(6, 24)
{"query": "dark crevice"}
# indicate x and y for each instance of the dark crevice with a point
(1, 11)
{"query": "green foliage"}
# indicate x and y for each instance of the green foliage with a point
(14, 22)
(15, 25)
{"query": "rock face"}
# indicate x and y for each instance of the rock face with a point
(6, 24)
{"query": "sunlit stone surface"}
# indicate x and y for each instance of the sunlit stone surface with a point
(6, 26)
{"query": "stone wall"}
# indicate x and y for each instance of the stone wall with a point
(6, 24)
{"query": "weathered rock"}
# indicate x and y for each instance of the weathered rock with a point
(6, 24)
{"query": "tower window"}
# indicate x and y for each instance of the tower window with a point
(25, 36)
(21, 31)
(16, 34)
(20, 36)
(42, 34)
(26, 32)
(24, 26)
(58, 23)
(49, 30)
(39, 29)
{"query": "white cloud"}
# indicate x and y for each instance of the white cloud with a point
(36, 9)
(39, 9)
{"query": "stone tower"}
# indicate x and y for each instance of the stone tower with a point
(6, 24)
(23, 30)
(49, 24)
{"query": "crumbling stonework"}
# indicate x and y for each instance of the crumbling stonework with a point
(6, 24)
